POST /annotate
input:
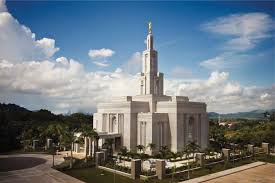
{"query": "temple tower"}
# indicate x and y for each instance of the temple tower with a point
(151, 81)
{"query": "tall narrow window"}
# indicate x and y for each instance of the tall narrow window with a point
(190, 129)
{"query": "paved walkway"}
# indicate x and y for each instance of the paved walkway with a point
(259, 172)
(42, 173)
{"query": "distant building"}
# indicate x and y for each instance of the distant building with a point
(151, 116)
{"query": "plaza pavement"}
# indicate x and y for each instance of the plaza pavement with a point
(258, 172)
(42, 173)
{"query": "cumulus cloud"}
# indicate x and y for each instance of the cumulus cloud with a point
(63, 85)
(103, 63)
(103, 52)
(181, 72)
(223, 95)
(18, 43)
(244, 30)
(227, 60)
(133, 65)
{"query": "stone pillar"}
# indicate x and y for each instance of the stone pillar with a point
(105, 151)
(34, 144)
(49, 143)
(90, 147)
(99, 158)
(160, 169)
(256, 150)
(200, 159)
(226, 153)
(265, 147)
(135, 168)
(250, 149)
(76, 147)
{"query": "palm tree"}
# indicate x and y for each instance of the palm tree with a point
(174, 156)
(54, 131)
(123, 152)
(140, 148)
(86, 132)
(164, 150)
(151, 146)
(187, 150)
(69, 139)
(193, 147)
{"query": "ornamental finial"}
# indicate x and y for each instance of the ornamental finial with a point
(150, 27)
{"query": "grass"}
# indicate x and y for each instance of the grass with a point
(94, 175)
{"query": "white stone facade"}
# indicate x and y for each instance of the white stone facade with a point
(152, 117)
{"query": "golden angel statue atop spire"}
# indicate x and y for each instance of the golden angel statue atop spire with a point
(150, 27)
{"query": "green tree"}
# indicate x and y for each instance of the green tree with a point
(151, 146)
(69, 139)
(140, 148)
(87, 131)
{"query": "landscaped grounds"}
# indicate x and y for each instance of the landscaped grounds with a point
(94, 175)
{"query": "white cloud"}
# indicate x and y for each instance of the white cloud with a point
(227, 60)
(18, 43)
(181, 72)
(63, 85)
(223, 95)
(104, 63)
(103, 52)
(133, 65)
(244, 31)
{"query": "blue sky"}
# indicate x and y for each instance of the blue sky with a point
(221, 53)
(121, 26)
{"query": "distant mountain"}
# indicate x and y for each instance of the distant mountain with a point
(255, 114)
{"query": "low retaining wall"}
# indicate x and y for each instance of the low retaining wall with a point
(115, 171)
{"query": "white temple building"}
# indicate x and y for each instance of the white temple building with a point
(151, 116)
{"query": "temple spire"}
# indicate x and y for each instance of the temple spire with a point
(150, 37)
(150, 27)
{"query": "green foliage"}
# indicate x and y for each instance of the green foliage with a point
(18, 124)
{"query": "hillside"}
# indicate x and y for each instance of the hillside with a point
(255, 114)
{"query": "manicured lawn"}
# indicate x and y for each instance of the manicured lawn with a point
(94, 175)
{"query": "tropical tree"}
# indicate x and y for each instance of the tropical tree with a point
(54, 131)
(164, 150)
(187, 151)
(151, 146)
(174, 156)
(86, 132)
(141, 148)
(69, 139)
(194, 147)
(123, 152)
